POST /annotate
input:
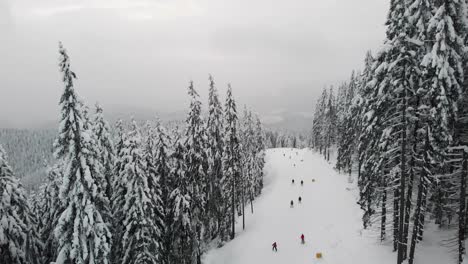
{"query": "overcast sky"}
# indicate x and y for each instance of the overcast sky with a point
(142, 53)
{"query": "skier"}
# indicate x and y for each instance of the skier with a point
(300, 199)
(302, 239)
(302, 182)
(275, 248)
(292, 181)
(292, 204)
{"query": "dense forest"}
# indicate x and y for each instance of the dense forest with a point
(29, 153)
(401, 126)
(132, 192)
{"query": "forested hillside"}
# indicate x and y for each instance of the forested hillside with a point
(29, 152)
(130, 193)
(401, 125)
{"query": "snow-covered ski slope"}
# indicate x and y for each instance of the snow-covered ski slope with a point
(328, 216)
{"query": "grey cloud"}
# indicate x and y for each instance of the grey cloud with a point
(276, 54)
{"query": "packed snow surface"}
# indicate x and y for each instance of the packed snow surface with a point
(328, 217)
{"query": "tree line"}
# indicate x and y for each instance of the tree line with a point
(136, 193)
(284, 139)
(402, 126)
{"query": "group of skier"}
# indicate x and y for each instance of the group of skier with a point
(302, 237)
(275, 245)
(300, 198)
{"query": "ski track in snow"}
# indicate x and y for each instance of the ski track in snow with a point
(328, 217)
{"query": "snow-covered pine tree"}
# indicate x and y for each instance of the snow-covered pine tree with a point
(328, 132)
(319, 122)
(50, 209)
(196, 161)
(279, 138)
(247, 161)
(157, 169)
(347, 126)
(341, 114)
(459, 163)
(142, 222)
(120, 136)
(394, 80)
(119, 189)
(180, 230)
(396, 96)
(231, 167)
(419, 13)
(97, 169)
(444, 70)
(259, 156)
(82, 234)
(359, 107)
(19, 241)
(214, 128)
(102, 131)
(165, 182)
(370, 163)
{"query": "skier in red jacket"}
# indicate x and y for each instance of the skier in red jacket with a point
(302, 239)
(275, 247)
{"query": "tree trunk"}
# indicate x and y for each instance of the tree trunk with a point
(462, 210)
(409, 196)
(396, 195)
(423, 213)
(233, 209)
(410, 189)
(417, 218)
(243, 208)
(383, 222)
(251, 202)
(401, 239)
(359, 166)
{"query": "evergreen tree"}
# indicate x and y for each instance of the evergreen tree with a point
(231, 167)
(247, 154)
(328, 131)
(119, 189)
(106, 147)
(347, 126)
(19, 241)
(319, 123)
(259, 157)
(444, 72)
(214, 152)
(195, 159)
(142, 221)
(163, 174)
(50, 208)
(82, 234)
(180, 230)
